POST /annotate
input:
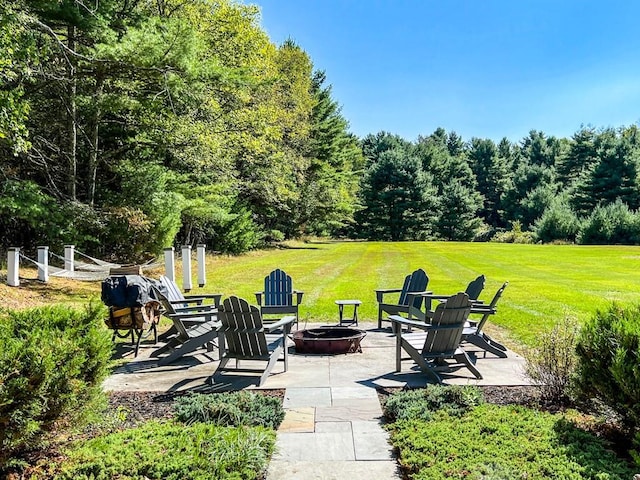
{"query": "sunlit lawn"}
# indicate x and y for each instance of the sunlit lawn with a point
(546, 282)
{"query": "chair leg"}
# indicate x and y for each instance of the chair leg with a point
(484, 342)
(272, 361)
(462, 357)
(379, 317)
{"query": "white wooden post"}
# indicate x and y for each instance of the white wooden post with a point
(170, 264)
(43, 264)
(68, 257)
(186, 268)
(13, 266)
(202, 276)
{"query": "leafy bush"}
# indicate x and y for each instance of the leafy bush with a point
(52, 363)
(499, 442)
(421, 404)
(231, 409)
(552, 364)
(558, 222)
(611, 224)
(170, 451)
(608, 366)
(515, 235)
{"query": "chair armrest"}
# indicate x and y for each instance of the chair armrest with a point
(216, 297)
(196, 300)
(299, 295)
(208, 316)
(259, 298)
(197, 308)
(434, 296)
(284, 321)
(381, 291)
(482, 309)
(410, 323)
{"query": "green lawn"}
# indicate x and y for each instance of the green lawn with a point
(546, 282)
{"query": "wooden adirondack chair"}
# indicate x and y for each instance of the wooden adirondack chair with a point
(246, 338)
(474, 289)
(195, 327)
(278, 295)
(176, 297)
(409, 301)
(439, 341)
(473, 333)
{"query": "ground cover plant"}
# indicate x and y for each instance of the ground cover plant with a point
(157, 450)
(487, 441)
(223, 436)
(546, 282)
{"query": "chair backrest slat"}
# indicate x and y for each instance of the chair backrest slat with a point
(475, 287)
(492, 306)
(170, 310)
(449, 319)
(415, 282)
(242, 327)
(278, 289)
(173, 291)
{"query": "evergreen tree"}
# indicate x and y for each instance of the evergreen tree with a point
(399, 202)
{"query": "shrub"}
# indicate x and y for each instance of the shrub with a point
(608, 366)
(52, 363)
(558, 222)
(230, 409)
(500, 442)
(611, 224)
(421, 404)
(515, 235)
(552, 364)
(170, 451)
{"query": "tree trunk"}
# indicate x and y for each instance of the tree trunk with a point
(93, 155)
(72, 114)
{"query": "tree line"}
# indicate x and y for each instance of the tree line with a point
(130, 125)
(584, 189)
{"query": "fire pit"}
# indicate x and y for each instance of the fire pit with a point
(328, 340)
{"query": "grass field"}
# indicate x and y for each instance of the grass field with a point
(546, 282)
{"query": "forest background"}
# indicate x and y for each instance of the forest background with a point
(127, 126)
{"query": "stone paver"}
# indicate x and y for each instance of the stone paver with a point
(299, 420)
(365, 409)
(317, 446)
(371, 441)
(307, 397)
(336, 470)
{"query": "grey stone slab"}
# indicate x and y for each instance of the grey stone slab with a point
(316, 447)
(304, 371)
(340, 470)
(307, 397)
(360, 409)
(371, 441)
(329, 427)
(344, 395)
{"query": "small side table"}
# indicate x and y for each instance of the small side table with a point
(341, 304)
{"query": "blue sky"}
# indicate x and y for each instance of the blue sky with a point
(483, 68)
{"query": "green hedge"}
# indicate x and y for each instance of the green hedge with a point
(609, 360)
(52, 363)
